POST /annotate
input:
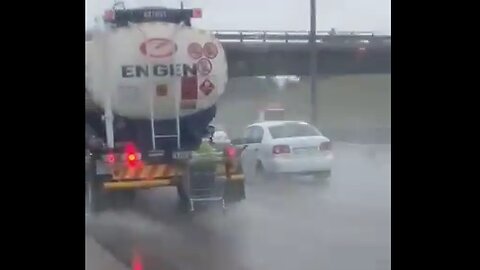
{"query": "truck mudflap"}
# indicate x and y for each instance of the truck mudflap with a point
(235, 182)
(234, 190)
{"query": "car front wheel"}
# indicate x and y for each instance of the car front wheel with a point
(323, 175)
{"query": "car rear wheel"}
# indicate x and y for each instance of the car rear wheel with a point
(260, 173)
(323, 175)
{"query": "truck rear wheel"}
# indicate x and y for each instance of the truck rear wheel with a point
(234, 191)
(94, 199)
(182, 193)
(120, 199)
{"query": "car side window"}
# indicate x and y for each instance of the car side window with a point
(254, 134)
(249, 133)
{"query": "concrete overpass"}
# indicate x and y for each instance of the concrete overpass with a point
(270, 53)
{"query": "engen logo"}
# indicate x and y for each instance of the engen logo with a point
(158, 48)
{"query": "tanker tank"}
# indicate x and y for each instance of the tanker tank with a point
(154, 70)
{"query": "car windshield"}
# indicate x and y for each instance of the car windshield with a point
(293, 130)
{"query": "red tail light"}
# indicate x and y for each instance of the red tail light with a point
(231, 152)
(197, 13)
(281, 149)
(131, 155)
(325, 146)
(109, 16)
(110, 158)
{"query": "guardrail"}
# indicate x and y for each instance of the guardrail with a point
(340, 37)
(301, 37)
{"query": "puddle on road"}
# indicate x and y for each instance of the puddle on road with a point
(202, 243)
(257, 233)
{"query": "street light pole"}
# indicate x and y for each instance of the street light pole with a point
(313, 61)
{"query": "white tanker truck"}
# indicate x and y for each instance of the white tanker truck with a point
(152, 82)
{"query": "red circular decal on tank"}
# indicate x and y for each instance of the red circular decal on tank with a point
(195, 50)
(158, 48)
(210, 50)
(204, 66)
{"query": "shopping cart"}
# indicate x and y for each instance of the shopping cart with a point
(203, 185)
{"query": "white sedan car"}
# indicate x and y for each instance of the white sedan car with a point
(290, 147)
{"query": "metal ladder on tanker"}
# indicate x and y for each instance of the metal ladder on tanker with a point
(156, 136)
(205, 188)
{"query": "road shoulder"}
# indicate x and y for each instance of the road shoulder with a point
(97, 258)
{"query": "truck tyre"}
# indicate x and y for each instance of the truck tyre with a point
(182, 193)
(94, 199)
(234, 191)
(121, 199)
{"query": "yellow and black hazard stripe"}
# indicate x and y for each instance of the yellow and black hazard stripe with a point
(142, 176)
(156, 175)
(147, 172)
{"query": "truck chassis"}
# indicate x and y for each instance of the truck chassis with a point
(113, 185)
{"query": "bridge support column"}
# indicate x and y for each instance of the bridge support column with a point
(313, 61)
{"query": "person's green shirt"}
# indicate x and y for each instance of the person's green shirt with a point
(206, 149)
(206, 153)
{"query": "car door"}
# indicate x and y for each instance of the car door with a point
(253, 136)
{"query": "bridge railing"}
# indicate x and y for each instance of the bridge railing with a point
(342, 37)
(328, 37)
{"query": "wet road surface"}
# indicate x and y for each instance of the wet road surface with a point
(340, 224)
(97, 257)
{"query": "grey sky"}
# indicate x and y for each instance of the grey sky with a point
(348, 15)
